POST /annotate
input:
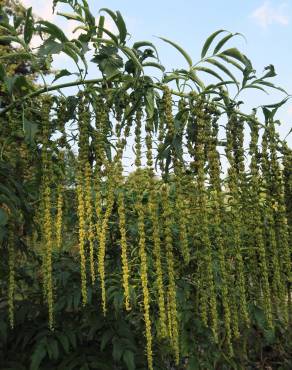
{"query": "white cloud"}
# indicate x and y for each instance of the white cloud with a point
(267, 14)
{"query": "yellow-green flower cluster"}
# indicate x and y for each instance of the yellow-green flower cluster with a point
(123, 241)
(11, 278)
(153, 210)
(144, 281)
(173, 322)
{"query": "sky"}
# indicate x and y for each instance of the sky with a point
(266, 26)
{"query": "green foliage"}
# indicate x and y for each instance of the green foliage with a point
(221, 265)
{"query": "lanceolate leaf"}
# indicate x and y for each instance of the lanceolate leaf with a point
(68, 16)
(223, 68)
(100, 26)
(28, 26)
(141, 44)
(208, 42)
(110, 13)
(266, 83)
(210, 71)
(121, 27)
(231, 61)
(222, 42)
(110, 34)
(153, 64)
(62, 73)
(30, 129)
(255, 87)
(131, 55)
(180, 49)
(236, 54)
(53, 30)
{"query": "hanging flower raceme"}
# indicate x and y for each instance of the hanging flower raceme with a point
(11, 276)
(278, 211)
(207, 286)
(217, 209)
(81, 190)
(46, 201)
(172, 307)
(239, 285)
(257, 236)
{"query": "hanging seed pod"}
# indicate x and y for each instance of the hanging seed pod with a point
(11, 276)
(217, 207)
(167, 219)
(255, 219)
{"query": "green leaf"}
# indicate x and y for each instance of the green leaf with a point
(52, 348)
(180, 49)
(106, 337)
(231, 61)
(12, 39)
(266, 83)
(30, 129)
(222, 42)
(108, 60)
(117, 349)
(53, 30)
(129, 360)
(62, 73)
(110, 34)
(271, 72)
(155, 65)
(3, 217)
(141, 44)
(255, 87)
(209, 41)
(50, 47)
(67, 49)
(28, 26)
(100, 26)
(210, 71)
(131, 55)
(121, 27)
(149, 103)
(223, 68)
(70, 16)
(38, 355)
(110, 13)
(236, 54)
(64, 341)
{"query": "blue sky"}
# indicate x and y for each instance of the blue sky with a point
(266, 25)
